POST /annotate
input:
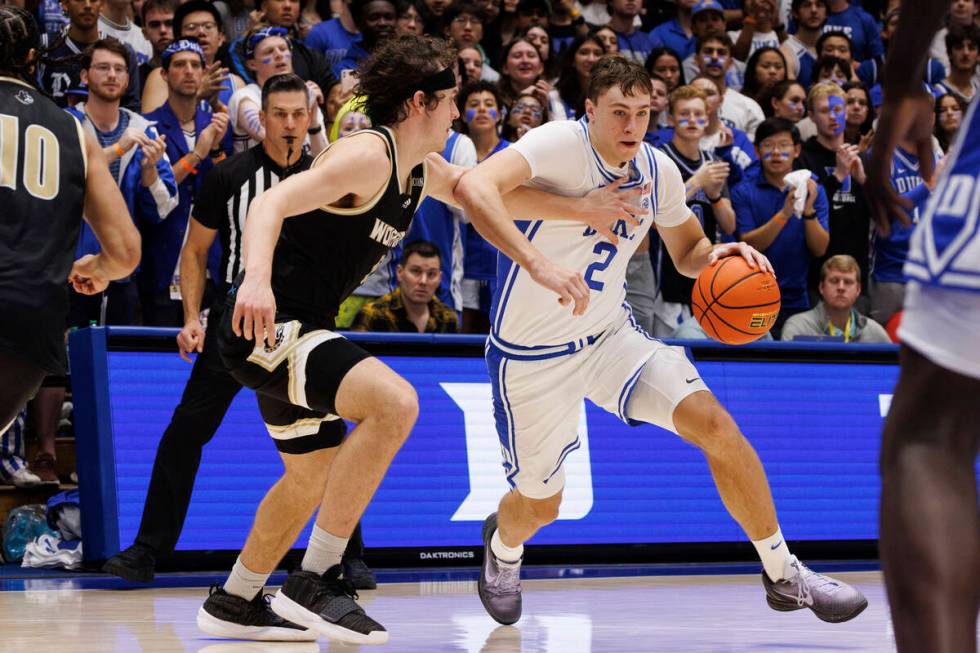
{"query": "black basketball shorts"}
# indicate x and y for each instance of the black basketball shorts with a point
(295, 381)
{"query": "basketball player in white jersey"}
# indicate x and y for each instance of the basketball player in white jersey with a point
(930, 522)
(543, 360)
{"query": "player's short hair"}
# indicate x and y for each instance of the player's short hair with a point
(772, 126)
(682, 93)
(392, 74)
(19, 34)
(283, 83)
(615, 70)
(840, 263)
(423, 248)
(109, 44)
(822, 91)
(960, 34)
(724, 39)
(166, 6)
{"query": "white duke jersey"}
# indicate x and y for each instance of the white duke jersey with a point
(526, 319)
(944, 250)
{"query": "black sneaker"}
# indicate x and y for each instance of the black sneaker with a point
(326, 604)
(359, 574)
(135, 564)
(227, 615)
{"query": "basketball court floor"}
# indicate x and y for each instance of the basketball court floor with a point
(566, 610)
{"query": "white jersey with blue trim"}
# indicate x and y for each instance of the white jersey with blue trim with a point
(945, 247)
(527, 320)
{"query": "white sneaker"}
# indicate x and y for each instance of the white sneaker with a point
(24, 477)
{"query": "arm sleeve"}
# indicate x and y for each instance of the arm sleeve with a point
(822, 207)
(154, 203)
(671, 203)
(744, 220)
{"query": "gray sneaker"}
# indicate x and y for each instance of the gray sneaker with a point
(500, 582)
(831, 600)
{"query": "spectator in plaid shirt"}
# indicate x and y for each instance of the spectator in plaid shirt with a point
(412, 307)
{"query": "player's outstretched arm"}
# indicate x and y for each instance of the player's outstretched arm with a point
(357, 166)
(480, 192)
(107, 214)
(691, 251)
(600, 209)
(907, 110)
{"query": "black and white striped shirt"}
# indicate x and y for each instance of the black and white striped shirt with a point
(227, 193)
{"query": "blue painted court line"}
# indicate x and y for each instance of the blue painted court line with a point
(16, 579)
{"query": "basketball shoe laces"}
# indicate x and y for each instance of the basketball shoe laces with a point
(333, 585)
(804, 577)
(507, 580)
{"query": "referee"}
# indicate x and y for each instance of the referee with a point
(220, 208)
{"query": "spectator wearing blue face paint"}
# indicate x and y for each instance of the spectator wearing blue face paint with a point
(766, 219)
(859, 26)
(839, 170)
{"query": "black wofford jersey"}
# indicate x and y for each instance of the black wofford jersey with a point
(324, 255)
(226, 195)
(42, 194)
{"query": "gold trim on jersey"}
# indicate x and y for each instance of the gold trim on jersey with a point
(299, 428)
(4, 78)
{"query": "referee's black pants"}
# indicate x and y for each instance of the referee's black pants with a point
(207, 396)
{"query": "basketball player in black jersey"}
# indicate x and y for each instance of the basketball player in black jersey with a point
(49, 174)
(345, 213)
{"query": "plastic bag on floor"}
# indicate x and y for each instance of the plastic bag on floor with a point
(23, 525)
(64, 516)
(49, 550)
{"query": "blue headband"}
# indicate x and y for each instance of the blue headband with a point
(183, 45)
(262, 34)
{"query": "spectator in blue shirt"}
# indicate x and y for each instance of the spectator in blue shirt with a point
(376, 20)
(766, 219)
(888, 253)
(193, 137)
(677, 34)
(634, 44)
(333, 38)
(859, 26)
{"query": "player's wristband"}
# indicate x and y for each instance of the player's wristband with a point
(714, 200)
(810, 216)
(118, 149)
(778, 217)
(314, 130)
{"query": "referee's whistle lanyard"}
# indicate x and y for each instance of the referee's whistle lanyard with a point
(848, 328)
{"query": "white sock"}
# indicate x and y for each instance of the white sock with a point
(243, 582)
(774, 552)
(324, 551)
(503, 552)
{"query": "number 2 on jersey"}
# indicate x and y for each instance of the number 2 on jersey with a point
(601, 248)
(42, 158)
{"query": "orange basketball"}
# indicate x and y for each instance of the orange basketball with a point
(734, 303)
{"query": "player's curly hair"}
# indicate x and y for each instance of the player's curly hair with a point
(19, 35)
(391, 75)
